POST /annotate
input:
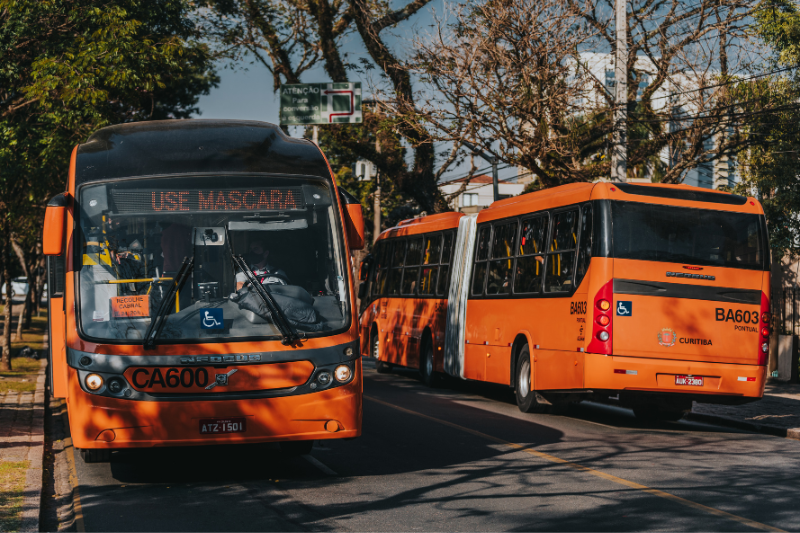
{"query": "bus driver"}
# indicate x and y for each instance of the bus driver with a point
(257, 260)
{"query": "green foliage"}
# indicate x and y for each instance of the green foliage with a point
(770, 165)
(341, 145)
(68, 68)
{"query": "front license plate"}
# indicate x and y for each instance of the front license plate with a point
(693, 381)
(217, 426)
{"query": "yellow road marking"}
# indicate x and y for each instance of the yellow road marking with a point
(77, 508)
(586, 469)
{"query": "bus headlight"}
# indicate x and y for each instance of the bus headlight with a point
(93, 382)
(324, 378)
(342, 373)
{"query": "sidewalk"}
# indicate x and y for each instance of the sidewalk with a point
(22, 439)
(778, 413)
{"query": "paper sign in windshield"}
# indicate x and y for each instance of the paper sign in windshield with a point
(130, 306)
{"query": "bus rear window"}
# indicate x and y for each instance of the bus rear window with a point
(684, 235)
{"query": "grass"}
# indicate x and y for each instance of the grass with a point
(22, 378)
(32, 337)
(12, 487)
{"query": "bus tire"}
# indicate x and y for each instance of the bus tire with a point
(295, 448)
(427, 373)
(96, 456)
(375, 352)
(526, 396)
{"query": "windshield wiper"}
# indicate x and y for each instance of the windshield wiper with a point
(157, 324)
(279, 318)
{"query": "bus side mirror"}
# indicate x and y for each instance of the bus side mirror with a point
(355, 226)
(53, 238)
(362, 290)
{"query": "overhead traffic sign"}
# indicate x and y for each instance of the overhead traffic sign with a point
(320, 103)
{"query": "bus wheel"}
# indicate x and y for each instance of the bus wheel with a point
(526, 397)
(426, 372)
(96, 456)
(297, 447)
(380, 366)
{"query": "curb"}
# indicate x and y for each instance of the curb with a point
(786, 433)
(31, 503)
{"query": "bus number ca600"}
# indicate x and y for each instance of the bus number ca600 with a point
(171, 378)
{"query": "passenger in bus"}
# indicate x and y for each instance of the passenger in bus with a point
(258, 261)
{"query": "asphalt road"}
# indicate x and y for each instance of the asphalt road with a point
(460, 458)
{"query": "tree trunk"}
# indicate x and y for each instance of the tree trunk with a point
(41, 276)
(22, 313)
(776, 293)
(5, 358)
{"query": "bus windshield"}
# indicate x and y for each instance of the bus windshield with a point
(136, 234)
(685, 235)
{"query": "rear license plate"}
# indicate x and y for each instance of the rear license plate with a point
(693, 381)
(217, 426)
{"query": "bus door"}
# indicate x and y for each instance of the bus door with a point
(689, 284)
(559, 365)
(394, 305)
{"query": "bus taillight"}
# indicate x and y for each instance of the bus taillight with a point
(763, 341)
(601, 325)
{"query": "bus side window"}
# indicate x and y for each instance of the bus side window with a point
(500, 268)
(530, 263)
(585, 248)
(560, 267)
(396, 267)
(444, 271)
(381, 268)
(411, 272)
(430, 258)
(481, 255)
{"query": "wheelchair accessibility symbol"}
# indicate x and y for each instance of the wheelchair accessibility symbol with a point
(624, 308)
(211, 319)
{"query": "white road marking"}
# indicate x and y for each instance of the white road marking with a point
(316, 462)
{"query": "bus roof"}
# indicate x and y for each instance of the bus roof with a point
(160, 147)
(656, 193)
(427, 224)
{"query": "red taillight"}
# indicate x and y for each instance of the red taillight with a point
(763, 341)
(601, 327)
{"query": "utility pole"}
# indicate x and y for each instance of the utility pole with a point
(315, 135)
(491, 159)
(376, 228)
(619, 153)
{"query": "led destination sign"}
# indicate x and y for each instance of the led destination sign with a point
(250, 199)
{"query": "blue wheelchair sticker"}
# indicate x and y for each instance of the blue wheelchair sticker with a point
(211, 318)
(624, 308)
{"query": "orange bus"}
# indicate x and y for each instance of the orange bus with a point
(652, 296)
(200, 289)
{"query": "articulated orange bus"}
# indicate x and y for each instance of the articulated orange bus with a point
(200, 289)
(650, 295)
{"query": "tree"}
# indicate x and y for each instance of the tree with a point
(70, 67)
(290, 38)
(520, 79)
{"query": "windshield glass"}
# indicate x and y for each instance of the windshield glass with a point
(684, 235)
(136, 234)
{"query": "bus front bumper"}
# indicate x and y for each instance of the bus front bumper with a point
(112, 423)
(720, 380)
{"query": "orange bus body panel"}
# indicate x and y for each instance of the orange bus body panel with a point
(148, 424)
(57, 348)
